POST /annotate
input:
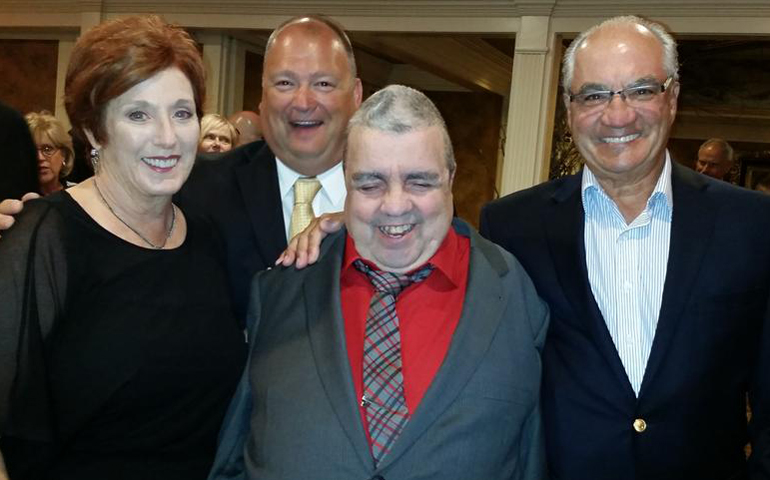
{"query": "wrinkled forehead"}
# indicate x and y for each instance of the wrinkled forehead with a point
(630, 52)
(417, 149)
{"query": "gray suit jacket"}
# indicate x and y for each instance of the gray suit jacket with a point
(480, 418)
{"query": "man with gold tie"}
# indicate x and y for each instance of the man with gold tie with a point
(261, 194)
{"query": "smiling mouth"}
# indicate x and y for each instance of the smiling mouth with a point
(623, 139)
(396, 231)
(161, 162)
(306, 123)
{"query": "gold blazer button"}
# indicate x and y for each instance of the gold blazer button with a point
(640, 425)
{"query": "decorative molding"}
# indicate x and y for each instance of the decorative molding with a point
(533, 36)
(530, 114)
(662, 9)
(344, 8)
(407, 8)
(46, 6)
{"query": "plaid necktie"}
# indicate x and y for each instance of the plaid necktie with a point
(305, 190)
(383, 398)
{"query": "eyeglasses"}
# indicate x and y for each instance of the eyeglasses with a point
(632, 95)
(47, 150)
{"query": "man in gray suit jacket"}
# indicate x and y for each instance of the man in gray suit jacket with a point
(438, 379)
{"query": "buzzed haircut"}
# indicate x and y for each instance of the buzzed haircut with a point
(398, 109)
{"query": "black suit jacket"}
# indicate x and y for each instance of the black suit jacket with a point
(18, 167)
(239, 192)
(712, 343)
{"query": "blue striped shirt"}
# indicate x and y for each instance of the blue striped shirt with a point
(627, 267)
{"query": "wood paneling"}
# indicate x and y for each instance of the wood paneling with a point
(28, 82)
(473, 121)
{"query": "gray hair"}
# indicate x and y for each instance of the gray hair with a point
(314, 21)
(398, 109)
(721, 144)
(670, 57)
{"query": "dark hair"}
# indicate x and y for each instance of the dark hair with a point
(18, 167)
(116, 55)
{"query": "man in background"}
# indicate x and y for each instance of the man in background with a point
(715, 158)
(248, 126)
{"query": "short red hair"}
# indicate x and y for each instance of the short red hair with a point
(116, 55)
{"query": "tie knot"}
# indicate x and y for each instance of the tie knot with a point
(305, 190)
(393, 283)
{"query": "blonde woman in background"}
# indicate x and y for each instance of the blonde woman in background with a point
(55, 157)
(217, 134)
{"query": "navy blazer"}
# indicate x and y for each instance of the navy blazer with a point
(238, 191)
(711, 346)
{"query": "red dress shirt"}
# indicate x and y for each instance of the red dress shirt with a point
(428, 314)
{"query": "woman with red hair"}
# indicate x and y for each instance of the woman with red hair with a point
(119, 348)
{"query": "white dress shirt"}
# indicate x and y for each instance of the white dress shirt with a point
(627, 267)
(330, 198)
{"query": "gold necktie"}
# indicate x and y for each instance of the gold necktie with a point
(305, 190)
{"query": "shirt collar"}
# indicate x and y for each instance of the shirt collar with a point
(444, 260)
(332, 181)
(591, 190)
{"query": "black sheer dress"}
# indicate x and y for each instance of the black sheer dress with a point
(116, 361)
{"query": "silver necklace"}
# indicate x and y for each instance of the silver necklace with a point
(156, 247)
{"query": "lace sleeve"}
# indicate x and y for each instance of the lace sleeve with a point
(33, 277)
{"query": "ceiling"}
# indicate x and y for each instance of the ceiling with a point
(426, 61)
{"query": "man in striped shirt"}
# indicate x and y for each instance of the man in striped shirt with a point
(658, 280)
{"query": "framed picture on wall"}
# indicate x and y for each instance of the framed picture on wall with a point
(755, 171)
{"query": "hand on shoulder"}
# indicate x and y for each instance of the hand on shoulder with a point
(10, 207)
(304, 248)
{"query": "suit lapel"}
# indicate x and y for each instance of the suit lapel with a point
(691, 229)
(564, 226)
(258, 182)
(327, 339)
(482, 310)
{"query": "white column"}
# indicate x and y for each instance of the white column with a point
(531, 107)
(235, 77)
(63, 61)
(90, 18)
(224, 58)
